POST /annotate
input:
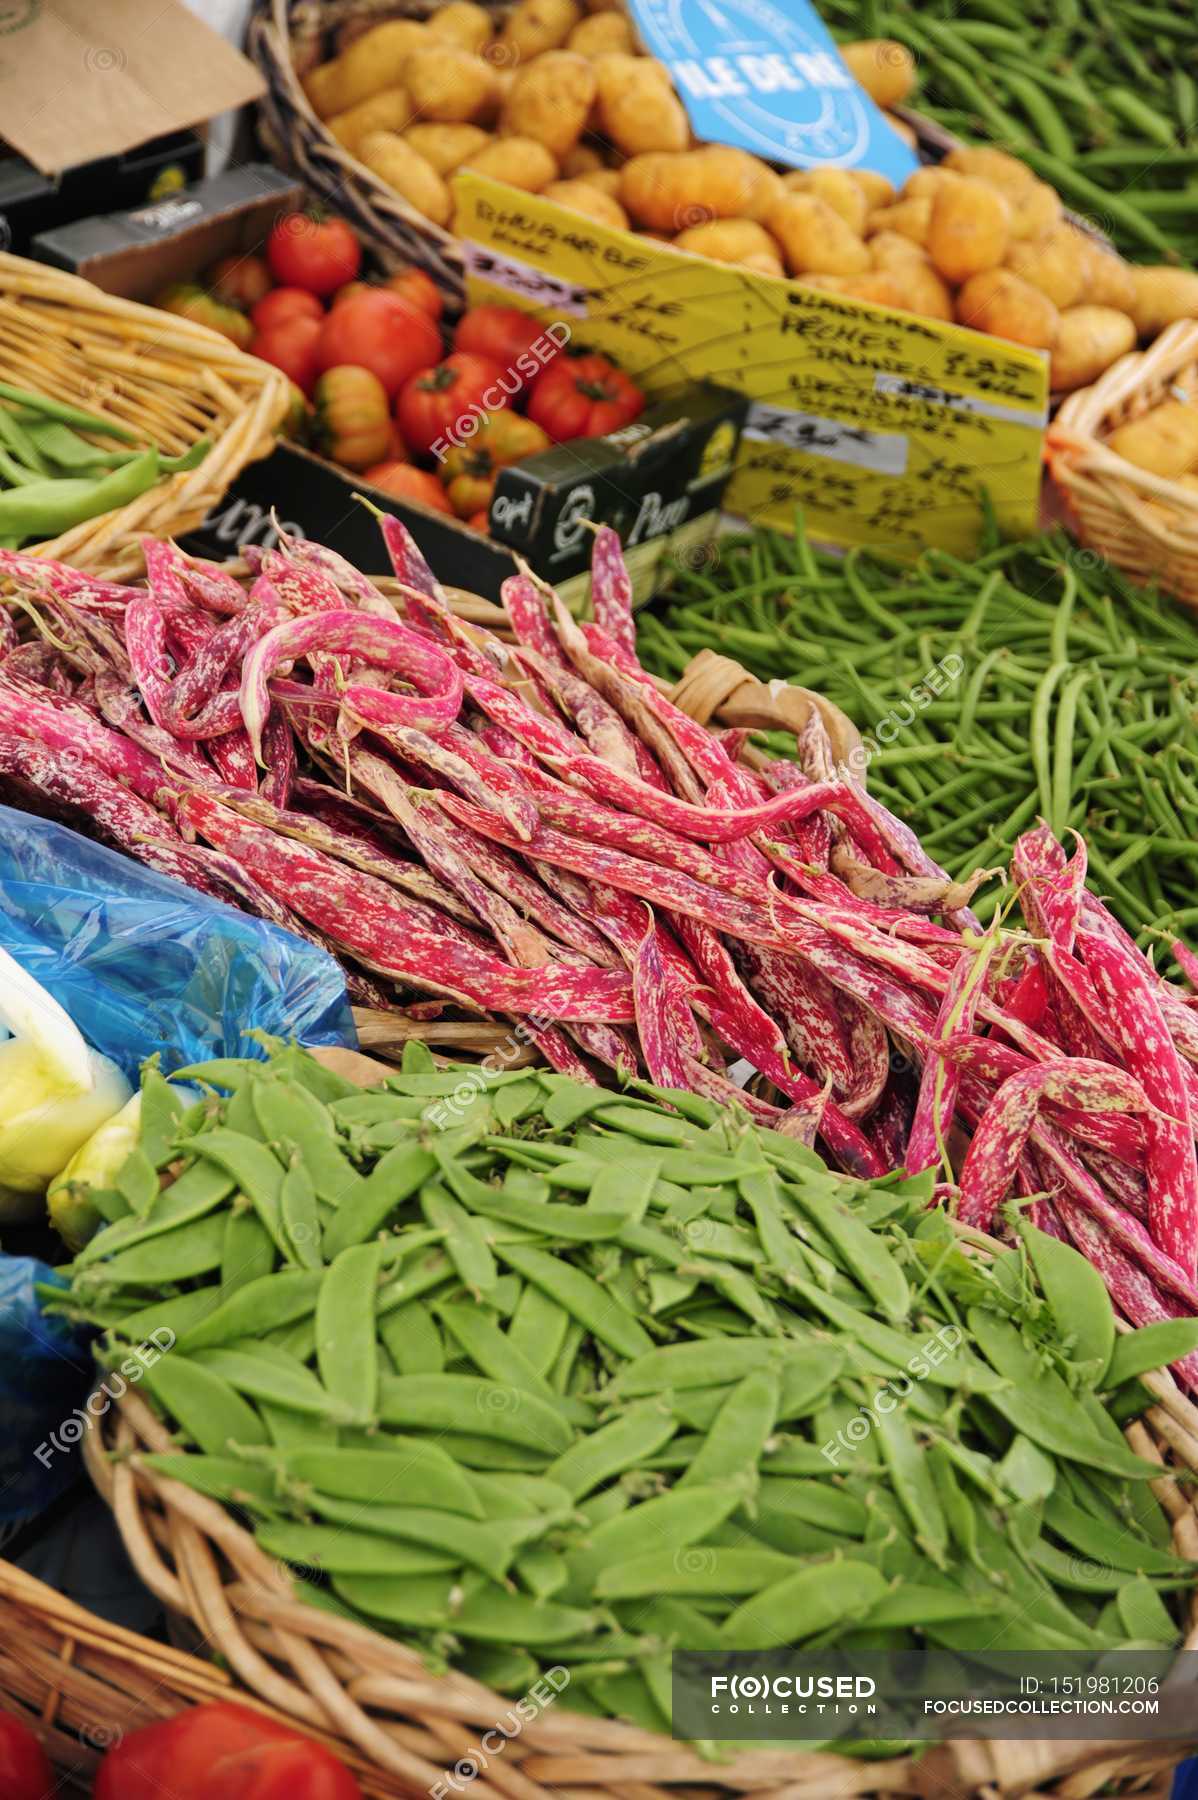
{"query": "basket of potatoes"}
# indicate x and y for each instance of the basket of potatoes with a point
(1124, 453)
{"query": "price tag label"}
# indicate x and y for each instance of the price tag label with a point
(770, 79)
(884, 427)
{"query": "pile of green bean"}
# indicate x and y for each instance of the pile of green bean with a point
(1077, 700)
(530, 1372)
(1099, 96)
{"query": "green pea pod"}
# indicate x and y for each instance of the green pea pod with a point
(300, 1215)
(257, 1173)
(416, 1602)
(228, 1072)
(538, 1328)
(180, 1254)
(487, 1546)
(45, 509)
(257, 1306)
(493, 1615)
(247, 1249)
(290, 1116)
(43, 405)
(346, 1343)
(626, 1188)
(464, 1403)
(158, 1117)
(337, 1550)
(1144, 1616)
(678, 1519)
(622, 1444)
(703, 1570)
(582, 1297)
(1027, 1473)
(394, 1178)
(394, 1469)
(1114, 1549)
(862, 1253)
(206, 1406)
(1076, 1294)
(803, 1604)
(733, 1446)
(465, 1241)
(197, 1192)
(819, 1503)
(267, 1373)
(493, 1354)
(178, 1315)
(913, 1483)
(917, 1605)
(21, 443)
(231, 1479)
(1152, 1347)
(290, 1430)
(959, 1513)
(413, 1341)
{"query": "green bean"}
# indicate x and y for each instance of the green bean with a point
(207, 1407)
(346, 1345)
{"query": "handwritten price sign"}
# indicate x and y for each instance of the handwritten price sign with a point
(885, 428)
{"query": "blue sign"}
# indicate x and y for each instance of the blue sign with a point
(770, 79)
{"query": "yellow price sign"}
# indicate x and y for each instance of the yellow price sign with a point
(884, 427)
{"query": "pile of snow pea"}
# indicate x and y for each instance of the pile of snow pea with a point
(1076, 700)
(529, 1372)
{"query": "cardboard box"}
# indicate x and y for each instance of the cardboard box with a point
(136, 254)
(31, 202)
(81, 81)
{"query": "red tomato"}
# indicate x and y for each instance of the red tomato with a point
(379, 332)
(418, 288)
(479, 521)
(505, 335)
(351, 290)
(306, 251)
(460, 391)
(238, 280)
(24, 1769)
(404, 482)
(584, 396)
(226, 1750)
(285, 303)
(292, 347)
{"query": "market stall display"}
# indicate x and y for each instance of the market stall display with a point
(453, 1237)
(179, 388)
(1058, 689)
(1099, 98)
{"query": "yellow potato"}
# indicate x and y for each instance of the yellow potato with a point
(1089, 339)
(837, 188)
(891, 250)
(923, 291)
(929, 181)
(1160, 296)
(549, 100)
(600, 33)
(411, 175)
(462, 23)
(740, 241)
(1164, 441)
(827, 284)
(607, 181)
(583, 159)
(885, 69)
(969, 228)
(995, 166)
(583, 197)
(1054, 263)
(372, 62)
(636, 108)
(449, 86)
(521, 162)
(1035, 211)
(909, 218)
(878, 189)
(997, 302)
(538, 25)
(815, 239)
(882, 287)
(1109, 280)
(901, 129)
(389, 111)
(673, 191)
(446, 146)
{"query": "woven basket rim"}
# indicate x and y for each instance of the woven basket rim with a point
(248, 400)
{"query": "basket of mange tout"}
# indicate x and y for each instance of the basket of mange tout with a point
(514, 1377)
(116, 421)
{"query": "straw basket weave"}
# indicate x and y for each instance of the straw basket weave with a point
(166, 379)
(1142, 523)
(285, 38)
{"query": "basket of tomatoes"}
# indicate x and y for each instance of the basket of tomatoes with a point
(383, 389)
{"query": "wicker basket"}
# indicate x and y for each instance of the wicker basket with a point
(165, 378)
(1145, 525)
(283, 38)
(403, 1730)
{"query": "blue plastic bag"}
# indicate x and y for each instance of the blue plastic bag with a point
(142, 963)
(46, 1370)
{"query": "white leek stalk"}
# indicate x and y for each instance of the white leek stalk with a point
(54, 1091)
(95, 1164)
